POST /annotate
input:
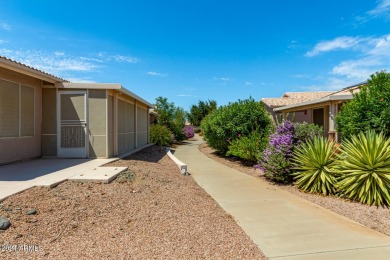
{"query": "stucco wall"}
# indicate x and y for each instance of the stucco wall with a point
(21, 148)
(142, 126)
(126, 126)
(97, 126)
(49, 122)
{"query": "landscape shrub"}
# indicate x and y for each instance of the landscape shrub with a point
(238, 119)
(160, 135)
(249, 147)
(275, 161)
(368, 109)
(365, 168)
(189, 131)
(315, 162)
(304, 131)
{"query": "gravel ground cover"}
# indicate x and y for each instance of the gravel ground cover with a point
(376, 218)
(151, 211)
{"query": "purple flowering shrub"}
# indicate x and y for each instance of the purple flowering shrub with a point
(189, 131)
(276, 162)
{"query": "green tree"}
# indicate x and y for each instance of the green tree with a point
(369, 108)
(200, 111)
(171, 116)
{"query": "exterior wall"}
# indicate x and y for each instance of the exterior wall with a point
(97, 123)
(49, 122)
(142, 126)
(110, 126)
(27, 144)
(126, 126)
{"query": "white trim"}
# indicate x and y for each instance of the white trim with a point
(86, 116)
(107, 137)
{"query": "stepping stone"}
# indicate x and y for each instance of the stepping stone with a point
(99, 174)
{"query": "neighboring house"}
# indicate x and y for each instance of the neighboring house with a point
(323, 110)
(291, 98)
(42, 115)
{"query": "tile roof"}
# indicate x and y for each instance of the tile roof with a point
(290, 98)
(4, 59)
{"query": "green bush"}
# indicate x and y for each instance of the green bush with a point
(249, 147)
(365, 168)
(227, 123)
(369, 108)
(304, 131)
(160, 135)
(315, 161)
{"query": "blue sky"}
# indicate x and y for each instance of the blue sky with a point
(198, 50)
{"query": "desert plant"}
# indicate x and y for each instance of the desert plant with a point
(249, 147)
(365, 168)
(227, 123)
(314, 161)
(160, 135)
(189, 131)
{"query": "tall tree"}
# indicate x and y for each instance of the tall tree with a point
(200, 111)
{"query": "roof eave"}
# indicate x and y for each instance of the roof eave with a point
(18, 67)
(314, 102)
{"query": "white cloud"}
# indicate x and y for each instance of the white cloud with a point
(383, 7)
(48, 61)
(156, 74)
(222, 78)
(247, 83)
(5, 26)
(339, 43)
(121, 58)
(373, 54)
(80, 80)
(3, 41)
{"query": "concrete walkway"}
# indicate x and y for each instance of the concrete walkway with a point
(17, 177)
(283, 225)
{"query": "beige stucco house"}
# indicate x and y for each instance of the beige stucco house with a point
(42, 115)
(291, 98)
(323, 110)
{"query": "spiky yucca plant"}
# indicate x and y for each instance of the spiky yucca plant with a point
(365, 168)
(314, 162)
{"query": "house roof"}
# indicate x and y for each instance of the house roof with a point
(114, 86)
(28, 70)
(344, 94)
(290, 98)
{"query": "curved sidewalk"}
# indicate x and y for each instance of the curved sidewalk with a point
(283, 225)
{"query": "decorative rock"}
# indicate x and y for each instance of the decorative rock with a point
(32, 212)
(4, 223)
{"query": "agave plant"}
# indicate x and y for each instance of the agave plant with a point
(365, 168)
(314, 161)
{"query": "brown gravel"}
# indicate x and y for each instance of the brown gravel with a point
(376, 218)
(151, 211)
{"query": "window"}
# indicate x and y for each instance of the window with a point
(16, 110)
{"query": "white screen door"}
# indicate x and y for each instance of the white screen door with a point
(72, 124)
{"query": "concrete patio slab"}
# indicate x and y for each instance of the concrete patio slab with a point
(99, 174)
(283, 225)
(17, 177)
